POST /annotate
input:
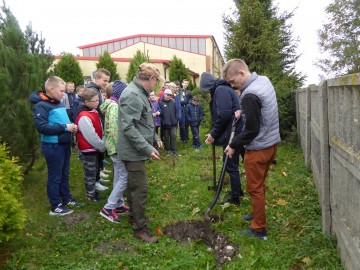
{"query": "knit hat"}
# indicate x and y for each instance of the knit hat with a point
(118, 87)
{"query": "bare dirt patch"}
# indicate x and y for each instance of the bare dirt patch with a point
(75, 218)
(189, 231)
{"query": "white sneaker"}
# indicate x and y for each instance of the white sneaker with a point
(100, 187)
(103, 175)
(104, 180)
(106, 171)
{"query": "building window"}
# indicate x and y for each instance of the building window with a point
(194, 45)
(92, 52)
(202, 46)
(111, 47)
(151, 40)
(130, 41)
(158, 41)
(144, 39)
(104, 48)
(165, 42)
(123, 44)
(98, 50)
(136, 40)
(172, 43)
(180, 44)
(86, 52)
(117, 46)
(186, 44)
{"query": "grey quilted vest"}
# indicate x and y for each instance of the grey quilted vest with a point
(269, 134)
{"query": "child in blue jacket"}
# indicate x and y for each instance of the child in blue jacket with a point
(53, 123)
(194, 116)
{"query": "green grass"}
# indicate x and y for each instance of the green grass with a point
(178, 191)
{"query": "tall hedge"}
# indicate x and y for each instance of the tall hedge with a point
(12, 213)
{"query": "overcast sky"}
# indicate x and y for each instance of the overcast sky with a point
(67, 24)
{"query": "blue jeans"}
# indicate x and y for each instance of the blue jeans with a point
(57, 158)
(116, 198)
(184, 126)
(232, 167)
(195, 134)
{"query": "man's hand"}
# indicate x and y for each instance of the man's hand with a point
(237, 114)
(209, 139)
(155, 155)
(229, 151)
(159, 144)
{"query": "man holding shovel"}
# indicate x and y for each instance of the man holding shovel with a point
(260, 136)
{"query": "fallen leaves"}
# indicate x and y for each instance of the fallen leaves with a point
(281, 202)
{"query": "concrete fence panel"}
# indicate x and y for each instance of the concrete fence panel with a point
(329, 133)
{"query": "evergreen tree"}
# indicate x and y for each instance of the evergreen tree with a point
(263, 39)
(24, 62)
(178, 71)
(137, 60)
(105, 61)
(339, 40)
(68, 69)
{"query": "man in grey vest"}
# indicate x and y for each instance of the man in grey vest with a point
(259, 137)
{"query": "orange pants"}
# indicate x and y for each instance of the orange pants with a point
(257, 163)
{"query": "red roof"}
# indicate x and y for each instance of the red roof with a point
(144, 35)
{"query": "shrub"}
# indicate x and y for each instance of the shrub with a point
(12, 213)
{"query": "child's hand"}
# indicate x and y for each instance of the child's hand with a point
(72, 127)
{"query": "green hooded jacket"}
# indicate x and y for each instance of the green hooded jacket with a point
(136, 124)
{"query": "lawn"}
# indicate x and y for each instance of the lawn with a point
(178, 191)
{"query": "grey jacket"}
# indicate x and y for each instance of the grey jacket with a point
(136, 124)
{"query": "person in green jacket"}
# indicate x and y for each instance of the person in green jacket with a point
(136, 138)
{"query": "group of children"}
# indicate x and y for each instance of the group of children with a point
(169, 108)
(92, 116)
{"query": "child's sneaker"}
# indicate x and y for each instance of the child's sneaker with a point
(103, 175)
(104, 180)
(100, 187)
(110, 215)
(201, 147)
(72, 202)
(194, 146)
(122, 210)
(106, 171)
(94, 198)
(60, 210)
(105, 162)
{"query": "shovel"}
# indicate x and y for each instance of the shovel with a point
(221, 178)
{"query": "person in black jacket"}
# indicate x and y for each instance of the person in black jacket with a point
(224, 104)
(169, 121)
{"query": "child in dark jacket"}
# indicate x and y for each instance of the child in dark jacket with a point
(156, 111)
(53, 123)
(169, 121)
(194, 116)
(90, 143)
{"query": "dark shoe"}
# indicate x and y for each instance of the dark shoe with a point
(145, 235)
(234, 201)
(110, 215)
(194, 146)
(94, 198)
(201, 147)
(131, 220)
(122, 210)
(74, 203)
(260, 235)
(60, 210)
(247, 217)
